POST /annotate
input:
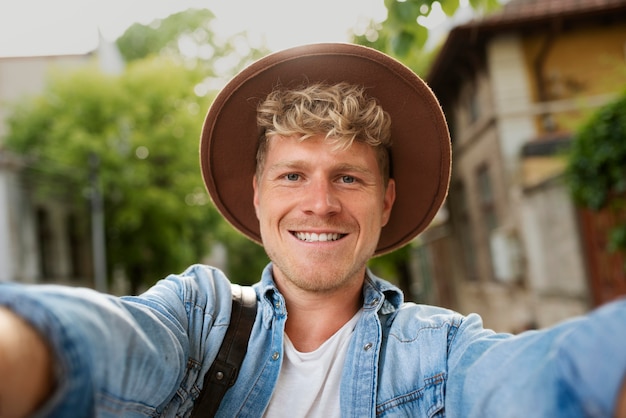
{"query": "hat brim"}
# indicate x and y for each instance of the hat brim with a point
(420, 154)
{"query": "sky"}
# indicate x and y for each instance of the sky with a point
(56, 27)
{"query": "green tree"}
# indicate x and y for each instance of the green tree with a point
(161, 35)
(143, 126)
(189, 36)
(417, 59)
(596, 169)
(401, 33)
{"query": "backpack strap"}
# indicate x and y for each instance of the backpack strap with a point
(223, 372)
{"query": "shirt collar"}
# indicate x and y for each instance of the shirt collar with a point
(378, 294)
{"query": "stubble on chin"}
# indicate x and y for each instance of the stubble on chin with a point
(321, 277)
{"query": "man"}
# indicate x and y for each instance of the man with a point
(327, 155)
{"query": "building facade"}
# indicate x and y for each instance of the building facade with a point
(515, 86)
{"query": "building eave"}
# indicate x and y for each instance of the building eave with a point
(467, 41)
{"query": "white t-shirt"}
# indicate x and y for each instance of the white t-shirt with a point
(308, 384)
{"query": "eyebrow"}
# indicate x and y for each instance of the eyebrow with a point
(297, 164)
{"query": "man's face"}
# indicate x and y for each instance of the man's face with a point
(320, 211)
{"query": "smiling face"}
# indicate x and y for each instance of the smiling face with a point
(320, 211)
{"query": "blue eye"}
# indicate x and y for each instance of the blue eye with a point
(348, 179)
(292, 177)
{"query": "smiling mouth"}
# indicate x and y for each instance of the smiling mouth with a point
(314, 237)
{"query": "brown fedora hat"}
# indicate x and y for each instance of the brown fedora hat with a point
(420, 155)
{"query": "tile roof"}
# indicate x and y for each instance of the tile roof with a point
(531, 10)
(516, 15)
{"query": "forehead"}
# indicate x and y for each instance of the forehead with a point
(318, 149)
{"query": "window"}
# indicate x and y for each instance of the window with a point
(486, 199)
(472, 103)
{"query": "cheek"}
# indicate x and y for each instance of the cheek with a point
(268, 210)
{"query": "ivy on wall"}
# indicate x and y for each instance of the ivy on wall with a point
(596, 169)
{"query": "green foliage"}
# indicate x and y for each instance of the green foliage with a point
(140, 41)
(385, 265)
(188, 35)
(617, 237)
(417, 59)
(403, 37)
(596, 170)
(246, 259)
(143, 126)
(403, 33)
(597, 163)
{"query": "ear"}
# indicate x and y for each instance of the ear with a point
(255, 187)
(388, 199)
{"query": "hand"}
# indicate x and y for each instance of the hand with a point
(25, 366)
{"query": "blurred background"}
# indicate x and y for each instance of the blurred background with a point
(102, 103)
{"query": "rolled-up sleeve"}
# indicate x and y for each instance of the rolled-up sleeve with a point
(574, 369)
(130, 356)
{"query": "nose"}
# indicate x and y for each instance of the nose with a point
(320, 198)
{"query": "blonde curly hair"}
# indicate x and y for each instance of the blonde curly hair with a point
(342, 112)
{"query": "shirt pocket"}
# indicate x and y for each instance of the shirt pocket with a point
(425, 401)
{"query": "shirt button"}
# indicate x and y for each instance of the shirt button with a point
(277, 304)
(375, 302)
(368, 346)
(276, 355)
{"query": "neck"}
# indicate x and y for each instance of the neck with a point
(313, 317)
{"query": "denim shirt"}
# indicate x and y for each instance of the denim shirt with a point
(147, 355)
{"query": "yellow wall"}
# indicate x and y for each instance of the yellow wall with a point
(582, 67)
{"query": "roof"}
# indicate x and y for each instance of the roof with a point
(516, 15)
(520, 11)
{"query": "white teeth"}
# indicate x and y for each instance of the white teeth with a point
(313, 237)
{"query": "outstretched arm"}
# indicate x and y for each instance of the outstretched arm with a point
(110, 356)
(574, 369)
(25, 366)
